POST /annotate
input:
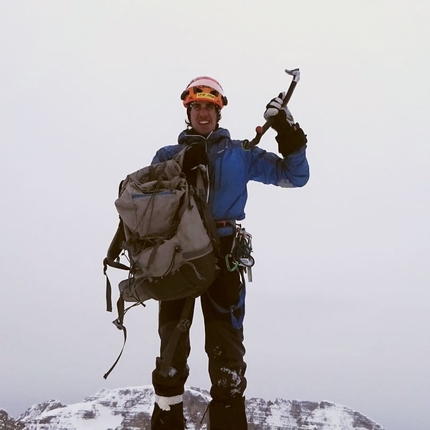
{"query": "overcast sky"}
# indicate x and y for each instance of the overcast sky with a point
(339, 309)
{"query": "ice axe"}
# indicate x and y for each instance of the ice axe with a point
(260, 130)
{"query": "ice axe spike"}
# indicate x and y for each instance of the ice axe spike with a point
(260, 130)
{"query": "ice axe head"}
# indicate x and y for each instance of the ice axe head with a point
(295, 73)
(260, 130)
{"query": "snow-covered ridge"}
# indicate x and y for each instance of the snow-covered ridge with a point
(130, 409)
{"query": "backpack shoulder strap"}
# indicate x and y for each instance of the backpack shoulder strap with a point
(206, 212)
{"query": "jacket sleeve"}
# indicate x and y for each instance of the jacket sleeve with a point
(269, 168)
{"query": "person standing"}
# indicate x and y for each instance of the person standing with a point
(229, 168)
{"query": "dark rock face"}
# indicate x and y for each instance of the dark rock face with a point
(8, 423)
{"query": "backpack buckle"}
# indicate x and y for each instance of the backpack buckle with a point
(118, 324)
(184, 325)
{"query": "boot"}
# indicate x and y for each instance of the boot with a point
(229, 416)
(168, 420)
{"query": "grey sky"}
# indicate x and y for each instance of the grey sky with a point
(339, 306)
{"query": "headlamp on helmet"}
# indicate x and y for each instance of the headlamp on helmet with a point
(204, 89)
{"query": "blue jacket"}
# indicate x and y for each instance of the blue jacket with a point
(231, 168)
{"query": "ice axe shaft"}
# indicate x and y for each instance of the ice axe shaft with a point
(260, 130)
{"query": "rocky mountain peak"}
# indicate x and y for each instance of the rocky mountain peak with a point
(130, 409)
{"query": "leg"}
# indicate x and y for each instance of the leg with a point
(168, 409)
(225, 350)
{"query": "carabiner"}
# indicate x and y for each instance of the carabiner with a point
(227, 263)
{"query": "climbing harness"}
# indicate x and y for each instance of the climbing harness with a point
(239, 259)
(240, 254)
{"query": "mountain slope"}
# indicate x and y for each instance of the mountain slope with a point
(130, 409)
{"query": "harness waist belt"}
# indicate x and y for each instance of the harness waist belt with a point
(227, 223)
(226, 228)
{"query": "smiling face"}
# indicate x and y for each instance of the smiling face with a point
(203, 117)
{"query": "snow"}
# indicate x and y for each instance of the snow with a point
(107, 409)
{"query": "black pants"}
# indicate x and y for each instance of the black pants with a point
(223, 345)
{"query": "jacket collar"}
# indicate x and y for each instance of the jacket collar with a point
(190, 136)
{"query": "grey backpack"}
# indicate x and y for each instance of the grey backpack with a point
(166, 233)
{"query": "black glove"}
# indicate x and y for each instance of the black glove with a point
(194, 156)
(290, 136)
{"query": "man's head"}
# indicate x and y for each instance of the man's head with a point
(204, 98)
